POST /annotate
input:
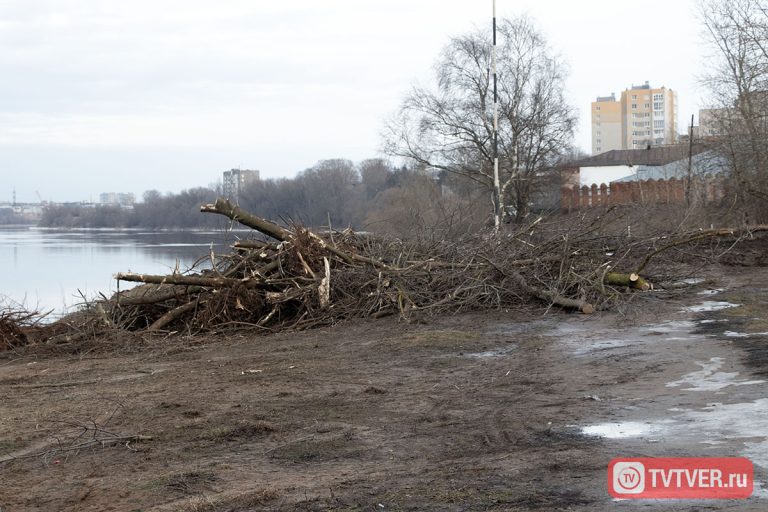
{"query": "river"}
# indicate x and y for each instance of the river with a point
(52, 269)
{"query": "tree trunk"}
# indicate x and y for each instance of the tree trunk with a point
(628, 280)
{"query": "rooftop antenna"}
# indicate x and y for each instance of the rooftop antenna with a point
(496, 184)
(14, 196)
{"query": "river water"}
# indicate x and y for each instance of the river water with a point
(49, 269)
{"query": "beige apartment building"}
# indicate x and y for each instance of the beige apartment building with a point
(643, 117)
(606, 124)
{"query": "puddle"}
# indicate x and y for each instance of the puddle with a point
(710, 305)
(619, 430)
(713, 291)
(671, 326)
(714, 425)
(709, 379)
(583, 339)
(690, 281)
(735, 421)
(493, 353)
(732, 334)
(598, 345)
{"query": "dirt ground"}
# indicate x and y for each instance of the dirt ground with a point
(503, 411)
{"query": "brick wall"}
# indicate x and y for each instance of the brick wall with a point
(640, 192)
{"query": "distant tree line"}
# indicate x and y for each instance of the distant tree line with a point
(370, 195)
(7, 216)
(157, 211)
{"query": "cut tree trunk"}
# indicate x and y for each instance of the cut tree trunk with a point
(207, 282)
(629, 280)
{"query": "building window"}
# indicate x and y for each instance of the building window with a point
(658, 105)
(634, 105)
(634, 96)
(597, 107)
(647, 105)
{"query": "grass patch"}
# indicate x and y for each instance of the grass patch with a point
(246, 430)
(9, 445)
(241, 503)
(188, 482)
(342, 446)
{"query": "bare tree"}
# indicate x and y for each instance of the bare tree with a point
(375, 174)
(450, 127)
(737, 32)
(331, 191)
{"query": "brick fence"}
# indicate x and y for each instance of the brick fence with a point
(640, 192)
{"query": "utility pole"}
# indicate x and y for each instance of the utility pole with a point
(497, 213)
(689, 179)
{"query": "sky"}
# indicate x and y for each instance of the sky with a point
(126, 96)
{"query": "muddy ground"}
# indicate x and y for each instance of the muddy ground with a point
(505, 411)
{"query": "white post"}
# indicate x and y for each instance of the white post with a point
(497, 213)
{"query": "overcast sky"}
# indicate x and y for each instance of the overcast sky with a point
(125, 96)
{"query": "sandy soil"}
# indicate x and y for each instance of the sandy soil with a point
(502, 411)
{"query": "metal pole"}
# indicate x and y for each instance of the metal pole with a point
(496, 184)
(689, 177)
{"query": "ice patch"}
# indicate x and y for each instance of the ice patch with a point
(672, 326)
(710, 305)
(713, 291)
(709, 379)
(619, 430)
(593, 346)
(735, 421)
(492, 353)
(732, 334)
(713, 425)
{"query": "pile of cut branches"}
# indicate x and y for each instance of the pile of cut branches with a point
(17, 325)
(294, 278)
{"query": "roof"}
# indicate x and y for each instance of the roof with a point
(657, 155)
(708, 163)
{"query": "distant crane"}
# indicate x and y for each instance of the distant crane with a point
(39, 197)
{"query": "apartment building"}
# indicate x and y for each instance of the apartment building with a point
(235, 180)
(606, 124)
(647, 118)
(117, 198)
